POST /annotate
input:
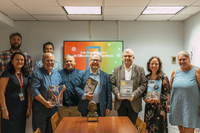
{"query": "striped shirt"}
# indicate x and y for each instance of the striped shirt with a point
(5, 57)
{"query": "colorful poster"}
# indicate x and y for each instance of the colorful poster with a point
(111, 53)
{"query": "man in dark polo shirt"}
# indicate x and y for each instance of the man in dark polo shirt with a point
(70, 99)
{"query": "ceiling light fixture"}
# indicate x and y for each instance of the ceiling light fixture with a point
(162, 9)
(82, 10)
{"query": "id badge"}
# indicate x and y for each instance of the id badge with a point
(21, 96)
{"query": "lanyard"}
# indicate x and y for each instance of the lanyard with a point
(20, 81)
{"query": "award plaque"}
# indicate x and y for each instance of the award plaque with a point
(55, 95)
(90, 85)
(92, 115)
(126, 89)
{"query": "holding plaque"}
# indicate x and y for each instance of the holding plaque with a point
(90, 85)
(55, 95)
(154, 89)
(126, 89)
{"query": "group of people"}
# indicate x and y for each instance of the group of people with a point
(20, 81)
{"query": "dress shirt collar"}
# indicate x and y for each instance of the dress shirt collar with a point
(46, 71)
(12, 51)
(91, 73)
(128, 69)
(67, 71)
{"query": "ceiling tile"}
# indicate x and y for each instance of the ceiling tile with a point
(80, 2)
(197, 3)
(38, 3)
(12, 10)
(21, 17)
(126, 2)
(171, 2)
(85, 17)
(120, 17)
(190, 10)
(180, 17)
(123, 10)
(6, 3)
(45, 10)
(155, 17)
(50, 17)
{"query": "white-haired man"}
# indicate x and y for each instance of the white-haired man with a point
(129, 71)
(102, 94)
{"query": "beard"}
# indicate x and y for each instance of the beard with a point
(15, 47)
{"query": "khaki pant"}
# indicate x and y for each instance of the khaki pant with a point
(68, 112)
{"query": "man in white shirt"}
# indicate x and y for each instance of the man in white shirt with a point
(129, 71)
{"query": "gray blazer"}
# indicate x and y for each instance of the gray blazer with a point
(139, 85)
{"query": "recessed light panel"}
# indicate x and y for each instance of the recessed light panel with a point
(162, 9)
(82, 10)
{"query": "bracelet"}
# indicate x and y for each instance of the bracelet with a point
(29, 107)
(4, 108)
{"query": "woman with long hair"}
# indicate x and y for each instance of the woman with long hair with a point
(156, 108)
(15, 95)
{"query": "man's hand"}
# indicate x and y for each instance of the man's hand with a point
(107, 112)
(48, 104)
(64, 87)
(132, 98)
(118, 97)
(89, 96)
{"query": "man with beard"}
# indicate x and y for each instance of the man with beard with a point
(129, 71)
(15, 41)
(5, 56)
(101, 95)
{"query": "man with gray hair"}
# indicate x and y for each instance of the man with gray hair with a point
(102, 94)
(129, 71)
(70, 99)
(41, 80)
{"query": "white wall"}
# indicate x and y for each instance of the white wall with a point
(192, 36)
(163, 39)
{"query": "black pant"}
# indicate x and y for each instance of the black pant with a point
(126, 110)
(42, 117)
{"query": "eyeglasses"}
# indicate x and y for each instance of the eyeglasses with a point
(95, 60)
(129, 56)
(48, 60)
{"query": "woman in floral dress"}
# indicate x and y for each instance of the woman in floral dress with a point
(156, 110)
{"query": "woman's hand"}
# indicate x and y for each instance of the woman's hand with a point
(5, 114)
(151, 100)
(168, 108)
(28, 113)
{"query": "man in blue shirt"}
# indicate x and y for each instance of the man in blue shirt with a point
(48, 47)
(41, 79)
(70, 99)
(102, 94)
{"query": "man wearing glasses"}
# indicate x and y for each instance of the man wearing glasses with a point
(102, 94)
(129, 71)
(48, 47)
(41, 80)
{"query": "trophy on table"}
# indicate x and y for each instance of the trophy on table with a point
(92, 115)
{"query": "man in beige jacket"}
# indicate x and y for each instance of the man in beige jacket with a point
(129, 71)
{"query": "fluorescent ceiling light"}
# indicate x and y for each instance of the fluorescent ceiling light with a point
(162, 9)
(82, 10)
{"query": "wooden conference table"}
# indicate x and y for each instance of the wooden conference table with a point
(104, 125)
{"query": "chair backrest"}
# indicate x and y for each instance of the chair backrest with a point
(37, 131)
(140, 125)
(55, 121)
